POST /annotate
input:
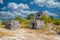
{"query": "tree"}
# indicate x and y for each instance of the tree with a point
(3, 23)
(30, 16)
(43, 17)
(50, 19)
(57, 22)
(17, 18)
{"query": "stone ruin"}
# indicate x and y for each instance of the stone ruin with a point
(40, 23)
(33, 24)
(36, 24)
(11, 24)
(38, 14)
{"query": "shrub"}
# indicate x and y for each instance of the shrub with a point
(57, 22)
(44, 28)
(50, 19)
(3, 23)
(30, 16)
(43, 17)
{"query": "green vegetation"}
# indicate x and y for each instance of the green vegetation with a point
(30, 16)
(3, 23)
(44, 28)
(50, 19)
(23, 22)
(17, 18)
(57, 22)
(43, 17)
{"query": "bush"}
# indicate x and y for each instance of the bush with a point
(3, 23)
(43, 17)
(44, 28)
(50, 19)
(23, 22)
(30, 16)
(57, 22)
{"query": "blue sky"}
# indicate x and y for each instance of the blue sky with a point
(13, 8)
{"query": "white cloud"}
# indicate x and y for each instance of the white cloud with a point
(31, 2)
(40, 2)
(23, 6)
(53, 4)
(3, 8)
(1, 1)
(18, 9)
(24, 13)
(6, 14)
(47, 3)
(12, 5)
(50, 13)
(18, 6)
(29, 12)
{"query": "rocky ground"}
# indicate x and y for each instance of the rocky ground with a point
(25, 34)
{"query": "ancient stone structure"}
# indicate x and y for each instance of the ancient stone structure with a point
(33, 24)
(38, 15)
(36, 24)
(11, 24)
(40, 24)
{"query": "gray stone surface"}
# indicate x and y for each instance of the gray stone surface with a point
(38, 15)
(36, 24)
(32, 24)
(11, 24)
(40, 24)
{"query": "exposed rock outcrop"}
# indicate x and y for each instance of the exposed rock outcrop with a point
(11, 24)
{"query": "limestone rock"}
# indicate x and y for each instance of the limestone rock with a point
(11, 24)
(36, 24)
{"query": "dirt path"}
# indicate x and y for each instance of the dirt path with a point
(26, 34)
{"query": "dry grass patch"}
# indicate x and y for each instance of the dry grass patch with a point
(23, 25)
(6, 34)
(45, 32)
(2, 26)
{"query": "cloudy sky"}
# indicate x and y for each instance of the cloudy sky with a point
(13, 8)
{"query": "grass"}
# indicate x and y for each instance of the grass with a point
(24, 23)
(56, 28)
(6, 34)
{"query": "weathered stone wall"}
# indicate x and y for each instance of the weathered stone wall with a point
(11, 24)
(40, 24)
(37, 24)
(32, 24)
